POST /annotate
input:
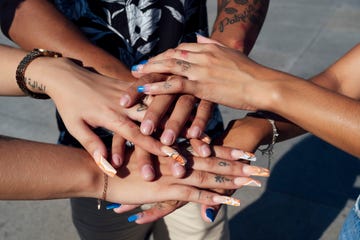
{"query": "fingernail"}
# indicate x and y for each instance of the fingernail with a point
(256, 171)
(174, 155)
(227, 200)
(124, 100)
(241, 181)
(147, 171)
(137, 67)
(210, 214)
(117, 160)
(205, 138)
(135, 217)
(140, 89)
(103, 164)
(168, 137)
(205, 150)
(112, 206)
(142, 62)
(194, 132)
(178, 170)
(147, 127)
(239, 154)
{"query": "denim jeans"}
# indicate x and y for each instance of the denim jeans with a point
(351, 228)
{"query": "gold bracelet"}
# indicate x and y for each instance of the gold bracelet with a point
(20, 71)
(106, 180)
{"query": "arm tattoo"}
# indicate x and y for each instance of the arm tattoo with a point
(35, 85)
(184, 65)
(221, 179)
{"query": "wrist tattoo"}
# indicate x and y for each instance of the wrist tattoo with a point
(35, 85)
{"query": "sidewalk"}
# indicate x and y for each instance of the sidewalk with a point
(312, 186)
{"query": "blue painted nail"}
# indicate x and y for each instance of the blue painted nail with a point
(133, 218)
(112, 206)
(142, 62)
(210, 214)
(140, 89)
(135, 68)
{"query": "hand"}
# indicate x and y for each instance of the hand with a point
(217, 73)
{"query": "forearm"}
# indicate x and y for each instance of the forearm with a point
(38, 24)
(238, 23)
(31, 170)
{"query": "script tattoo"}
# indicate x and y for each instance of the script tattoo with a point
(35, 85)
(184, 65)
(252, 13)
(221, 179)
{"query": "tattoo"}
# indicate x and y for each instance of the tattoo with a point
(184, 65)
(221, 179)
(141, 107)
(35, 85)
(167, 85)
(252, 13)
(223, 164)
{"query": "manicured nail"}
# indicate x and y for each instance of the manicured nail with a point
(117, 160)
(147, 172)
(112, 206)
(174, 155)
(205, 138)
(168, 137)
(147, 127)
(227, 200)
(194, 132)
(256, 171)
(241, 181)
(140, 89)
(239, 154)
(137, 67)
(142, 62)
(124, 100)
(135, 217)
(205, 150)
(103, 164)
(210, 214)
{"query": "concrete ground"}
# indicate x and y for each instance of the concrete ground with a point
(313, 185)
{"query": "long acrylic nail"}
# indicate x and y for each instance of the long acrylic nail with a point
(239, 154)
(210, 214)
(168, 137)
(256, 171)
(227, 200)
(112, 206)
(241, 181)
(174, 155)
(205, 138)
(137, 67)
(147, 127)
(103, 164)
(135, 217)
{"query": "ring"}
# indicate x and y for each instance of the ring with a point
(129, 144)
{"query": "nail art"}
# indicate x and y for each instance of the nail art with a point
(140, 89)
(210, 214)
(227, 200)
(104, 165)
(174, 155)
(142, 62)
(135, 217)
(112, 206)
(241, 181)
(239, 154)
(256, 171)
(205, 138)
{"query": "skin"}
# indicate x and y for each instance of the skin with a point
(332, 95)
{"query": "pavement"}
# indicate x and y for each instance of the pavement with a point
(312, 186)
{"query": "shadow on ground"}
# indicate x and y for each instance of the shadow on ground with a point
(308, 188)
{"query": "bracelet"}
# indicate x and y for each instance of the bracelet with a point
(106, 180)
(275, 134)
(20, 71)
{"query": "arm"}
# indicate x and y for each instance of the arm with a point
(238, 23)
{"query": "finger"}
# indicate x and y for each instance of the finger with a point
(136, 112)
(155, 112)
(145, 164)
(93, 145)
(199, 148)
(178, 118)
(203, 114)
(117, 150)
(230, 153)
(125, 208)
(132, 96)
